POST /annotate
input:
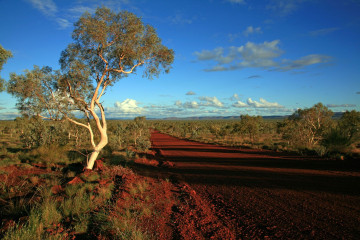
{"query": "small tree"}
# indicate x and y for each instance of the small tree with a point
(107, 47)
(349, 124)
(251, 125)
(4, 56)
(347, 132)
(308, 126)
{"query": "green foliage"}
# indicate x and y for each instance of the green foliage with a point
(8, 158)
(38, 93)
(308, 131)
(250, 125)
(4, 56)
(125, 219)
(107, 46)
(35, 132)
(143, 144)
(50, 154)
(350, 125)
(340, 138)
(307, 127)
(31, 230)
(50, 214)
(40, 218)
(121, 39)
(336, 140)
(125, 134)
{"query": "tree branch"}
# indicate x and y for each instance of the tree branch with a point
(121, 70)
(73, 97)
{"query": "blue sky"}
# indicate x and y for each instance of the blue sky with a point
(232, 57)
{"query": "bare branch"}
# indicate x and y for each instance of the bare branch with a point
(72, 95)
(120, 70)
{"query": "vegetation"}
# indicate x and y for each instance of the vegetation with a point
(107, 47)
(4, 56)
(307, 131)
(45, 194)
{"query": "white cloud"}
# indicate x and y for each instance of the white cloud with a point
(128, 106)
(251, 30)
(210, 101)
(178, 103)
(255, 104)
(252, 55)
(249, 55)
(235, 96)
(284, 7)
(204, 102)
(240, 104)
(192, 104)
(304, 61)
(65, 17)
(323, 31)
(263, 104)
(190, 93)
(217, 54)
(47, 7)
(63, 23)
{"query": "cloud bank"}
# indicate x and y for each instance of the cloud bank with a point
(262, 103)
(252, 55)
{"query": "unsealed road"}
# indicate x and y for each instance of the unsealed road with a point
(262, 194)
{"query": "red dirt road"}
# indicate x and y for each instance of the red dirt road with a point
(259, 194)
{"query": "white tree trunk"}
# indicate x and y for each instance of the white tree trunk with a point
(103, 142)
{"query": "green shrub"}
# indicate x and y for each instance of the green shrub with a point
(336, 141)
(143, 144)
(35, 227)
(47, 155)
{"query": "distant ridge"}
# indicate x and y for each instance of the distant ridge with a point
(220, 118)
(337, 115)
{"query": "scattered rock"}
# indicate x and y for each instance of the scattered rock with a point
(76, 180)
(57, 189)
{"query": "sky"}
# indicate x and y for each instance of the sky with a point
(232, 57)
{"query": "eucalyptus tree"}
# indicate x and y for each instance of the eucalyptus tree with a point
(307, 127)
(106, 47)
(313, 122)
(349, 124)
(250, 125)
(4, 56)
(344, 134)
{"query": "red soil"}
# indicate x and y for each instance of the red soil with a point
(233, 193)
